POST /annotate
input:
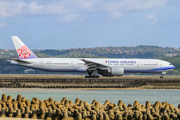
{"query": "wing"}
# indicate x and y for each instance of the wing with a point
(94, 65)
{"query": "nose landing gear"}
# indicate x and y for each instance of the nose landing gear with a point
(163, 73)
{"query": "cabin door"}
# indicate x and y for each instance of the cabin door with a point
(138, 64)
(72, 63)
(42, 64)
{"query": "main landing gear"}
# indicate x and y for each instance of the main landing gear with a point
(163, 73)
(161, 76)
(91, 76)
(94, 74)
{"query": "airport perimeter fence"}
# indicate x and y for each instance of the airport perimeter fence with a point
(39, 75)
(73, 75)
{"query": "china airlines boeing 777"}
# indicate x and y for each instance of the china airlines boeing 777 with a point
(93, 66)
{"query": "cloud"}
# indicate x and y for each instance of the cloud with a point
(118, 8)
(84, 4)
(2, 24)
(69, 18)
(70, 10)
(10, 9)
(174, 2)
(151, 18)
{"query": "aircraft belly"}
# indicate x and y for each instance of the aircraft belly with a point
(64, 69)
(147, 70)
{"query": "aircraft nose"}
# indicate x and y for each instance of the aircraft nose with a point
(172, 66)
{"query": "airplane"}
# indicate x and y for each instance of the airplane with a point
(92, 66)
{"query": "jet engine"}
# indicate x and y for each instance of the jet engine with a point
(113, 71)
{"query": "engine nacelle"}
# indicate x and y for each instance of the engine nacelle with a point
(117, 71)
(114, 71)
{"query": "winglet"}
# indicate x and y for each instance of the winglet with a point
(22, 50)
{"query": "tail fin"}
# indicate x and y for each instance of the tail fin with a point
(22, 50)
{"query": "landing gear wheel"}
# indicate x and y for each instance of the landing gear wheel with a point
(162, 74)
(87, 76)
(96, 76)
(91, 76)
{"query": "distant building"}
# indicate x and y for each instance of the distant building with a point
(11, 54)
(171, 55)
(174, 48)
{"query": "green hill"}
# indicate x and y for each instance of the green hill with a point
(168, 54)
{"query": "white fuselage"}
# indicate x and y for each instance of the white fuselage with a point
(77, 65)
(93, 66)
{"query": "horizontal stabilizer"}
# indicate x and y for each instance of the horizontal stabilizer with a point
(22, 61)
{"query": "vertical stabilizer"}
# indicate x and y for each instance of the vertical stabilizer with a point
(22, 50)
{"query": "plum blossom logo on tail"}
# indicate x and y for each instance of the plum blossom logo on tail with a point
(24, 52)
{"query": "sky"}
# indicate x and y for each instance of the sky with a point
(65, 24)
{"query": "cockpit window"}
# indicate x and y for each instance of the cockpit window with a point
(170, 64)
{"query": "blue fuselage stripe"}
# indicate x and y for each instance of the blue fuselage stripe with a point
(125, 70)
(165, 68)
(151, 70)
